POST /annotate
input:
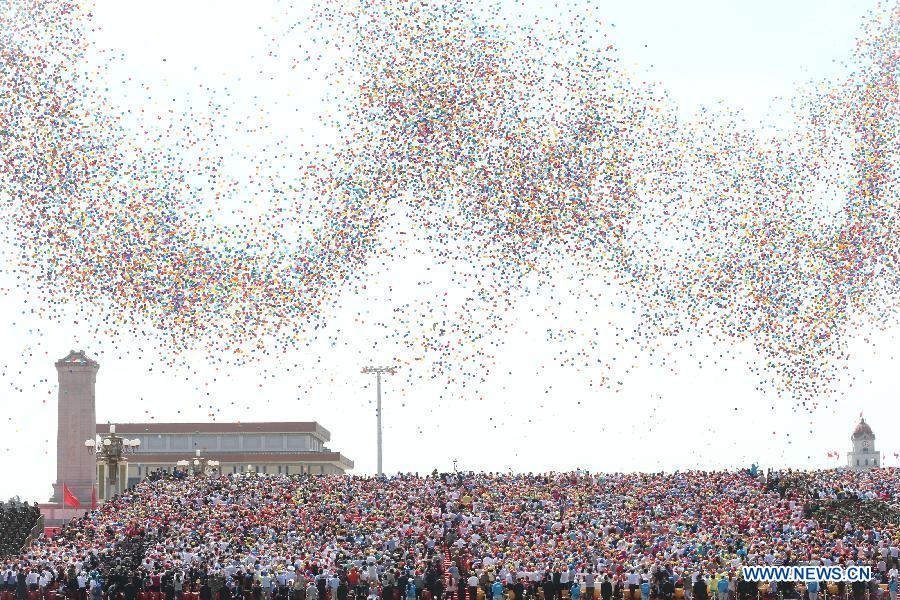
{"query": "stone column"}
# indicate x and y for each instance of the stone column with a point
(75, 466)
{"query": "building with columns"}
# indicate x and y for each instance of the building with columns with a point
(283, 448)
(863, 455)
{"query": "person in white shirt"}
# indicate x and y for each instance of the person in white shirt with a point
(45, 580)
(472, 584)
(634, 582)
(31, 580)
(312, 592)
(588, 579)
(265, 581)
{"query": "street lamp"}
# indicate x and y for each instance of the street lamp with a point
(378, 371)
(111, 452)
(199, 465)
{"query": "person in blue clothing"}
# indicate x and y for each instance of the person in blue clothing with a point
(575, 591)
(96, 588)
(645, 590)
(411, 590)
(812, 588)
(722, 587)
(497, 589)
(892, 588)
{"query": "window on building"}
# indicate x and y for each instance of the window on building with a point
(274, 442)
(857, 462)
(296, 441)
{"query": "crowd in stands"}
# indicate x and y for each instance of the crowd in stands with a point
(834, 497)
(17, 519)
(462, 536)
(837, 484)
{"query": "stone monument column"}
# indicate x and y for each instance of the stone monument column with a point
(75, 466)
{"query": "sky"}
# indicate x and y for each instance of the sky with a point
(704, 410)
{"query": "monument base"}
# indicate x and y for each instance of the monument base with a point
(82, 490)
(57, 515)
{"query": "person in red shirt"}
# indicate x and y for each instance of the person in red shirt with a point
(353, 583)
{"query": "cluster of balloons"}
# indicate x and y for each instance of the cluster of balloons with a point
(514, 156)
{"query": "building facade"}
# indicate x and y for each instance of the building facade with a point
(863, 455)
(289, 448)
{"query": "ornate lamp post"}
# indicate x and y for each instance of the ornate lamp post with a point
(111, 462)
(199, 465)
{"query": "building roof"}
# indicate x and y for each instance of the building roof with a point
(77, 359)
(266, 427)
(863, 430)
(169, 458)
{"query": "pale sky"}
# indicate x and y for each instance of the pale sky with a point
(528, 415)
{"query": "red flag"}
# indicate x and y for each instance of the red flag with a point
(69, 498)
(93, 497)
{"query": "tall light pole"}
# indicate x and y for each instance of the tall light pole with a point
(111, 452)
(378, 371)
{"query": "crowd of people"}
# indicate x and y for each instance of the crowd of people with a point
(17, 519)
(461, 536)
(835, 497)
